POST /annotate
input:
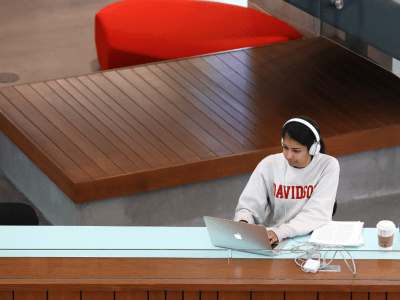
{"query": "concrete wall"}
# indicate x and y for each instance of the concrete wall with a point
(363, 176)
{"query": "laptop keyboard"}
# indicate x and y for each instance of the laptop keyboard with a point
(274, 244)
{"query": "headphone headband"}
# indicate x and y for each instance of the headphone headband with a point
(307, 124)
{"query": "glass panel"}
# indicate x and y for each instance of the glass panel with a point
(358, 46)
(369, 28)
(69, 252)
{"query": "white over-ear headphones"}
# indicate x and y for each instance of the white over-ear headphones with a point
(316, 147)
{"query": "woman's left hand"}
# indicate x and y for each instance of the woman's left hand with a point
(272, 236)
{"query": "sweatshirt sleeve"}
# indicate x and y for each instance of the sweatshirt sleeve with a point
(318, 209)
(253, 200)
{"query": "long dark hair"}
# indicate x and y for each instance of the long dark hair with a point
(302, 134)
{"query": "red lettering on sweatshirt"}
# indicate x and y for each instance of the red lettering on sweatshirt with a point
(287, 190)
(279, 192)
(310, 189)
(298, 192)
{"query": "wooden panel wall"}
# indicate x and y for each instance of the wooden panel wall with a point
(193, 295)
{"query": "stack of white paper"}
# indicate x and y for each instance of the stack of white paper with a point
(339, 233)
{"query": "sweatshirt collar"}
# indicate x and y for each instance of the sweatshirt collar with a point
(310, 165)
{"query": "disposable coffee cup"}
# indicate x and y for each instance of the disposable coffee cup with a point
(385, 234)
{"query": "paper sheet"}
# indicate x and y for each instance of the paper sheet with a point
(339, 233)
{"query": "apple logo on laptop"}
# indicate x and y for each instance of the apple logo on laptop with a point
(238, 236)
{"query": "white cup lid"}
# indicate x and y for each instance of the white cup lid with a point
(385, 225)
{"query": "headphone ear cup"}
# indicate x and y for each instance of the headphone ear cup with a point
(282, 142)
(318, 149)
(315, 148)
(312, 149)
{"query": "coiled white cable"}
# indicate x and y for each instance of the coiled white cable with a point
(313, 252)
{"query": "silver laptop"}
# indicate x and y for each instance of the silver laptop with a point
(241, 236)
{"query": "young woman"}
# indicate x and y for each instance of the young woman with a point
(293, 192)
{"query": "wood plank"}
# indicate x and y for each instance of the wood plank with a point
(339, 82)
(205, 146)
(262, 129)
(157, 295)
(305, 70)
(59, 100)
(221, 86)
(366, 140)
(27, 137)
(202, 115)
(258, 295)
(344, 97)
(235, 62)
(323, 62)
(233, 295)
(144, 118)
(30, 295)
(98, 120)
(208, 295)
(55, 135)
(361, 296)
(161, 178)
(190, 91)
(19, 125)
(331, 58)
(269, 100)
(174, 295)
(207, 87)
(97, 295)
(393, 296)
(64, 295)
(189, 132)
(383, 79)
(6, 295)
(68, 130)
(370, 93)
(227, 97)
(334, 296)
(266, 115)
(131, 295)
(301, 295)
(92, 275)
(191, 295)
(265, 285)
(355, 75)
(127, 124)
(375, 296)
(289, 86)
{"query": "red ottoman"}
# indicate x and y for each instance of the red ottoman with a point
(135, 32)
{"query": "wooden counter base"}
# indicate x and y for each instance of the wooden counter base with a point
(192, 278)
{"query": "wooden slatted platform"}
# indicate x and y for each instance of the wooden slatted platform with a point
(171, 123)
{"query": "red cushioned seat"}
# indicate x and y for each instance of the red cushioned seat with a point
(141, 31)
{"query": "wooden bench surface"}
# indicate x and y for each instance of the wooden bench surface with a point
(170, 123)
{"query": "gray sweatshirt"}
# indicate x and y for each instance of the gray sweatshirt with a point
(292, 201)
